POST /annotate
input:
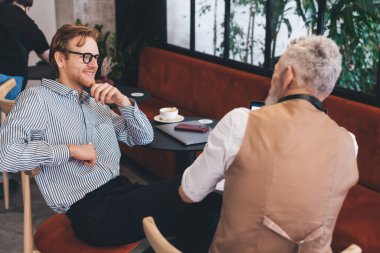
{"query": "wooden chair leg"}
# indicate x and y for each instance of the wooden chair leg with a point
(6, 189)
(28, 231)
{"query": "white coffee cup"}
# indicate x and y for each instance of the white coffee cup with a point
(168, 113)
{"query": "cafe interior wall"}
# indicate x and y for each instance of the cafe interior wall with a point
(50, 15)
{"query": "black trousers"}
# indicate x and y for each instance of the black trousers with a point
(112, 214)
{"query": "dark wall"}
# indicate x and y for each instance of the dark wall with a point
(138, 23)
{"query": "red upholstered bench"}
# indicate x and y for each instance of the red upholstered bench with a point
(56, 236)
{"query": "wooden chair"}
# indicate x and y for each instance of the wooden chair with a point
(156, 240)
(353, 248)
(55, 234)
(5, 88)
(160, 245)
(6, 107)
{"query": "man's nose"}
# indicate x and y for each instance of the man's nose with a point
(93, 62)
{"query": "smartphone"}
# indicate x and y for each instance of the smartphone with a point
(256, 105)
(191, 128)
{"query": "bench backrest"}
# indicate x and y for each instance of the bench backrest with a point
(205, 88)
(364, 122)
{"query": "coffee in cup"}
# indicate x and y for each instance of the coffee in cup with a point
(168, 113)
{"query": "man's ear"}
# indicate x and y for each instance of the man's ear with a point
(288, 77)
(59, 58)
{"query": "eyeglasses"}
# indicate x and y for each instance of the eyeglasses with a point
(86, 57)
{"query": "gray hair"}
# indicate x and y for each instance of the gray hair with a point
(316, 61)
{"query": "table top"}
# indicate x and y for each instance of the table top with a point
(163, 141)
(40, 71)
(138, 94)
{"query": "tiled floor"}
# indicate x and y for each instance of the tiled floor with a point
(11, 220)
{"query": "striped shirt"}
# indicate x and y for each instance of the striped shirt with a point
(46, 118)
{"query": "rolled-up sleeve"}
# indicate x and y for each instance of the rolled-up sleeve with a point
(22, 145)
(223, 143)
(132, 126)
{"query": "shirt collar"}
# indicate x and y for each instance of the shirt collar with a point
(64, 90)
(85, 97)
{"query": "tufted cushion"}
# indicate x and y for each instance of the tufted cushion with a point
(56, 236)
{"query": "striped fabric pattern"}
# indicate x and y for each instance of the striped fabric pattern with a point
(46, 118)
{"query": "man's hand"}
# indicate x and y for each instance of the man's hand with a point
(183, 196)
(85, 153)
(108, 94)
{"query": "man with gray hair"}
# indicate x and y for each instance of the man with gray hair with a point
(287, 166)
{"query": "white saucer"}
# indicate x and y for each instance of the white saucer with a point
(177, 119)
(205, 121)
(137, 94)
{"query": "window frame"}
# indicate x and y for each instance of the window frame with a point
(266, 69)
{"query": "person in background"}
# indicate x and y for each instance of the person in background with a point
(72, 135)
(287, 166)
(19, 36)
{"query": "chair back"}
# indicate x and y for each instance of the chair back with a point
(156, 240)
(6, 107)
(5, 88)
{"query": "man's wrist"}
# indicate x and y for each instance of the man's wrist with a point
(125, 102)
(72, 150)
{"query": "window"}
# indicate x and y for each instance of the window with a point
(209, 26)
(178, 23)
(247, 32)
(286, 26)
(355, 27)
(252, 35)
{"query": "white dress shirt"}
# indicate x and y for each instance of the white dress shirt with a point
(223, 144)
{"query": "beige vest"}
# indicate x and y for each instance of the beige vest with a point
(284, 190)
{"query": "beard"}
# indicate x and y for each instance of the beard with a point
(86, 81)
(274, 94)
(82, 81)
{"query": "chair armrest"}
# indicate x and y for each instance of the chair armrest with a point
(353, 248)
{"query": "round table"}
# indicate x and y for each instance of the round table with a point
(184, 154)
